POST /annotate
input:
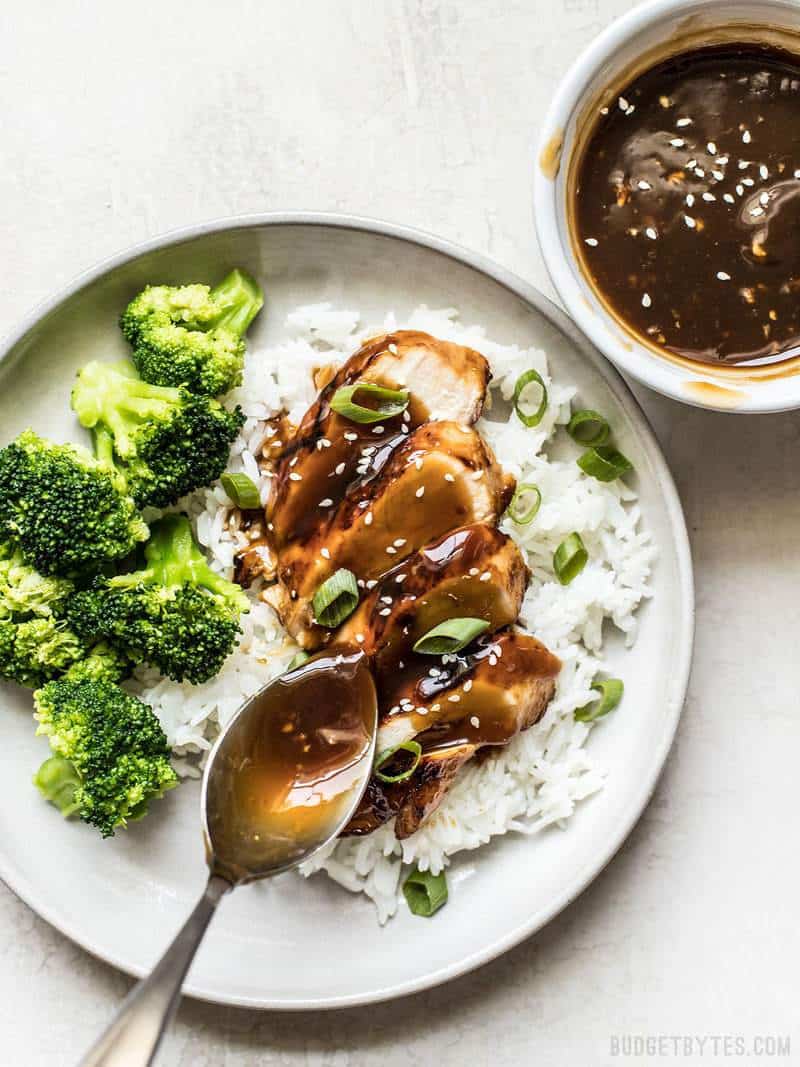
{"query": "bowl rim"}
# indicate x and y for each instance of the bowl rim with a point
(665, 377)
(557, 318)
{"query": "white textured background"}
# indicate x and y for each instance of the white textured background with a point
(119, 121)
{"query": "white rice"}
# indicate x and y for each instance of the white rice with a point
(535, 781)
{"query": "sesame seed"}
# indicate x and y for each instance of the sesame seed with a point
(485, 577)
(723, 276)
(756, 211)
(764, 199)
(325, 442)
(360, 638)
(591, 241)
(418, 464)
(392, 348)
(372, 583)
(449, 478)
(644, 184)
(690, 199)
(685, 121)
(467, 685)
(406, 416)
(797, 174)
(386, 600)
(351, 436)
(743, 164)
(722, 160)
(763, 171)
(746, 138)
(492, 660)
(422, 711)
(391, 550)
(385, 611)
(363, 503)
(603, 110)
(475, 721)
(623, 104)
(400, 578)
(436, 707)
(368, 519)
(295, 477)
(728, 198)
(709, 197)
(740, 190)
(699, 172)
(712, 148)
(690, 222)
(691, 163)
(420, 492)
(400, 541)
(292, 462)
(717, 174)
(749, 182)
(646, 300)
(326, 503)
(651, 233)
(473, 571)
(378, 430)
(404, 429)
(678, 142)
(325, 553)
(454, 699)
(339, 468)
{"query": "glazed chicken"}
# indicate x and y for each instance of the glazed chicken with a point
(409, 504)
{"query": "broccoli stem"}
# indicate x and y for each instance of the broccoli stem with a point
(173, 558)
(57, 781)
(241, 297)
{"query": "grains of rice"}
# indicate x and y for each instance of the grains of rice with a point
(537, 780)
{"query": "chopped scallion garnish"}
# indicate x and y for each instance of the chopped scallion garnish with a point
(604, 463)
(425, 893)
(525, 504)
(589, 428)
(412, 747)
(526, 416)
(335, 599)
(610, 690)
(297, 660)
(569, 558)
(388, 402)
(242, 490)
(450, 636)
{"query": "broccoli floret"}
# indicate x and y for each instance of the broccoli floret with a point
(116, 757)
(65, 510)
(192, 335)
(176, 613)
(164, 441)
(36, 650)
(24, 591)
(104, 663)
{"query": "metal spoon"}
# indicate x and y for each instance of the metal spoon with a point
(282, 781)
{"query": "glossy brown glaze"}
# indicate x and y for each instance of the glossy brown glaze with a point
(325, 456)
(441, 476)
(289, 766)
(687, 204)
(475, 572)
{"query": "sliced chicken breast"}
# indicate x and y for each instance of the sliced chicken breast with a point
(443, 475)
(475, 572)
(469, 702)
(446, 382)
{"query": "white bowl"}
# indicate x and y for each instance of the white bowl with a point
(654, 29)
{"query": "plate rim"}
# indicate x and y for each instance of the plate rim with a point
(530, 295)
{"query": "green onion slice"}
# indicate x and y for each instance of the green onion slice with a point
(570, 558)
(589, 428)
(604, 463)
(414, 747)
(525, 504)
(335, 599)
(450, 636)
(388, 402)
(425, 892)
(297, 660)
(242, 490)
(529, 418)
(610, 690)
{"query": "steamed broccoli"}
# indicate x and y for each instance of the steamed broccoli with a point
(164, 441)
(36, 644)
(191, 335)
(64, 509)
(110, 754)
(176, 613)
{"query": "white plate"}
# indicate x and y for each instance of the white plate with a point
(291, 944)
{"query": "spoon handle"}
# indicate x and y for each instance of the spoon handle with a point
(133, 1037)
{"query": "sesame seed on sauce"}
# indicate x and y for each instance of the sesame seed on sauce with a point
(467, 685)
(486, 576)
(399, 542)
(449, 477)
(325, 553)
(420, 492)
(474, 721)
(295, 477)
(350, 436)
(399, 578)
(723, 276)
(392, 348)
(385, 611)
(368, 519)
(339, 468)
(326, 503)
(591, 241)
(454, 698)
(646, 300)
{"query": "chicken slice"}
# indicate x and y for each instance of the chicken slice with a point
(442, 476)
(446, 382)
(483, 699)
(475, 572)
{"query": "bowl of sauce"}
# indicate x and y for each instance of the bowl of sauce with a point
(667, 199)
